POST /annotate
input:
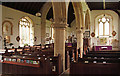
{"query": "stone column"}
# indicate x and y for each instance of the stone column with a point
(80, 42)
(59, 42)
(43, 31)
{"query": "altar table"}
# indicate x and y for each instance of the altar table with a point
(98, 48)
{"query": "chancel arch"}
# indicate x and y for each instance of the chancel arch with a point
(44, 11)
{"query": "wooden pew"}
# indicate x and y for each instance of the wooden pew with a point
(49, 52)
(67, 60)
(99, 52)
(97, 64)
(54, 60)
(99, 60)
(92, 69)
(42, 53)
(56, 64)
(24, 68)
(102, 55)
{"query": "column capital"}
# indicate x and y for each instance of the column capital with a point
(80, 31)
(59, 25)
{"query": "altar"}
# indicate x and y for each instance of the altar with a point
(102, 47)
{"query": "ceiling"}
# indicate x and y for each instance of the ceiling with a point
(28, 7)
(34, 7)
(108, 5)
(115, 6)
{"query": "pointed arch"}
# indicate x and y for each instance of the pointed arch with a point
(26, 31)
(78, 14)
(87, 19)
(59, 15)
(44, 10)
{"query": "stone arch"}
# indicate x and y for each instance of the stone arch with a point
(87, 20)
(77, 6)
(60, 15)
(44, 10)
(78, 9)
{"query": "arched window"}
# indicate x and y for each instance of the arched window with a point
(26, 32)
(104, 26)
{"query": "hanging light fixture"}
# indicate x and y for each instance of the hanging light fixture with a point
(104, 7)
(104, 4)
(104, 19)
(38, 14)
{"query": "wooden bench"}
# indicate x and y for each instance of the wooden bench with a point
(97, 64)
(13, 66)
(102, 55)
(99, 60)
(33, 51)
(95, 69)
(55, 60)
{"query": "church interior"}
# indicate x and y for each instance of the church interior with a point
(69, 38)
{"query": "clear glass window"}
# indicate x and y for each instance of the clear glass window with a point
(24, 26)
(100, 28)
(104, 26)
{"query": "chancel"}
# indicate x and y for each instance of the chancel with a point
(60, 38)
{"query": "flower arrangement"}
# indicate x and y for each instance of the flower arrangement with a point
(26, 44)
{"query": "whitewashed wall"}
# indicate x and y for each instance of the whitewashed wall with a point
(0, 26)
(71, 30)
(119, 30)
(48, 31)
(15, 16)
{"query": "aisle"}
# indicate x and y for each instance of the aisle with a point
(66, 73)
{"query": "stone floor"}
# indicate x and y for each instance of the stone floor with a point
(66, 73)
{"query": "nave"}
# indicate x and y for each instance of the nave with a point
(60, 38)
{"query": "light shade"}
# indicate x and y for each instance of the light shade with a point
(38, 14)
